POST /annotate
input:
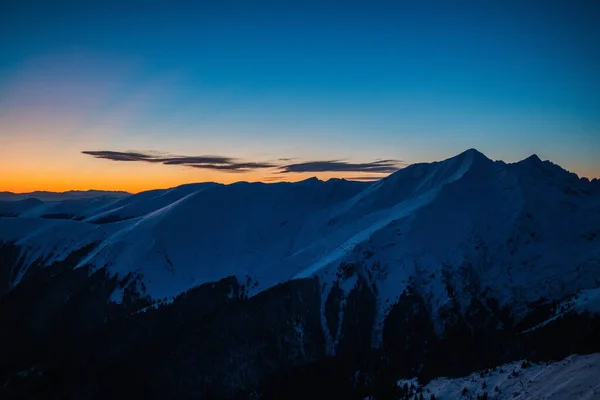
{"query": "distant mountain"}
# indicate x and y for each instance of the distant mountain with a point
(319, 289)
(54, 196)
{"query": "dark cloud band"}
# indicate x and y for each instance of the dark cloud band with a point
(229, 164)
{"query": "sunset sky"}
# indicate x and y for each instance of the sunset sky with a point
(138, 95)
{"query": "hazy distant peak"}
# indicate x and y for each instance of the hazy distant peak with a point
(59, 196)
(312, 180)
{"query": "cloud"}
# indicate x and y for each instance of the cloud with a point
(364, 178)
(203, 162)
(380, 166)
(118, 156)
(234, 167)
(273, 179)
(230, 164)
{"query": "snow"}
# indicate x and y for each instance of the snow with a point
(522, 231)
(584, 301)
(384, 218)
(588, 300)
(575, 377)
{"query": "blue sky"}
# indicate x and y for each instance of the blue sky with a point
(311, 81)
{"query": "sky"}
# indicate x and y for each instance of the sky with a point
(122, 95)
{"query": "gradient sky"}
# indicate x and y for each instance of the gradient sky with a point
(280, 84)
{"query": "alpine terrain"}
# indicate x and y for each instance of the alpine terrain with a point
(428, 279)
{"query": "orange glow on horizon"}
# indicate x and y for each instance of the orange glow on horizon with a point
(55, 105)
(31, 166)
(140, 178)
(136, 184)
(31, 161)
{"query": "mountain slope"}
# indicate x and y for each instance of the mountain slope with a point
(275, 232)
(572, 378)
(412, 270)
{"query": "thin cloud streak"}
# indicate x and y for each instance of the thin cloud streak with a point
(227, 164)
(382, 166)
(365, 178)
(158, 157)
(233, 167)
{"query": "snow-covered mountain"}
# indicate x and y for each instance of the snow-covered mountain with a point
(460, 247)
(526, 231)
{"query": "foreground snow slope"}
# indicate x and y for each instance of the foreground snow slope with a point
(575, 377)
(521, 232)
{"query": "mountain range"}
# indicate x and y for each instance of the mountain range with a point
(54, 196)
(334, 289)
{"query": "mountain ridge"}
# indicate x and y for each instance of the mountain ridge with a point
(473, 152)
(60, 196)
(412, 269)
(340, 202)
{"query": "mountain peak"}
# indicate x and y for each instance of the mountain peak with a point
(473, 154)
(469, 156)
(311, 180)
(533, 159)
(473, 151)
